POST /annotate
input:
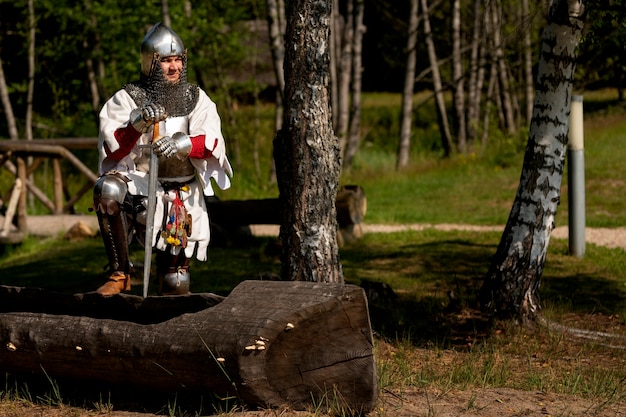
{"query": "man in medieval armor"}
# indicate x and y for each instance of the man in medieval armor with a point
(190, 149)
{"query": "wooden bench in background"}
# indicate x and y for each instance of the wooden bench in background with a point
(21, 158)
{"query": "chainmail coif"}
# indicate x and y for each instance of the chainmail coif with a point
(179, 99)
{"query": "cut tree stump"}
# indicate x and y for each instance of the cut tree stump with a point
(297, 344)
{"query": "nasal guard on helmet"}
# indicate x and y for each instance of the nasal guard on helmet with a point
(159, 42)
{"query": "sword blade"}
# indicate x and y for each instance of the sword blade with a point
(153, 174)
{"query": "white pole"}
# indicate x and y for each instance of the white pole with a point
(576, 179)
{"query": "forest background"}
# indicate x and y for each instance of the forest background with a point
(59, 62)
(82, 52)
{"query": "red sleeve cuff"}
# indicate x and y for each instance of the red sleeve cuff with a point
(198, 150)
(127, 138)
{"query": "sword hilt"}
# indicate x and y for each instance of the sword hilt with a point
(155, 131)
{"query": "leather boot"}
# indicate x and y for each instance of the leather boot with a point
(114, 231)
(118, 282)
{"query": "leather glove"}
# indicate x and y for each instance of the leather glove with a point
(178, 144)
(144, 117)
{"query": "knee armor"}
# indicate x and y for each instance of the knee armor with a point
(110, 187)
(109, 194)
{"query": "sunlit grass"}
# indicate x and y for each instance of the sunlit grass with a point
(423, 339)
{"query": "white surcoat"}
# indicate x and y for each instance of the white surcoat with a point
(202, 120)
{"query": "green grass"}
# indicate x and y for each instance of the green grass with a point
(423, 341)
(475, 188)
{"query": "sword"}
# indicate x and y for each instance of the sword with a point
(153, 174)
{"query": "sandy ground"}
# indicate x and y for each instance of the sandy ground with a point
(497, 402)
(50, 225)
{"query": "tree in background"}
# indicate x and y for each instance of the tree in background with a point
(404, 144)
(603, 46)
(98, 38)
(437, 82)
(86, 49)
(483, 62)
(306, 149)
(276, 28)
(353, 140)
(511, 287)
(458, 78)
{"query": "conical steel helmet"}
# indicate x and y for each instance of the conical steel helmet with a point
(159, 42)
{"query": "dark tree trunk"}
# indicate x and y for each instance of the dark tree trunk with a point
(307, 151)
(293, 344)
(511, 288)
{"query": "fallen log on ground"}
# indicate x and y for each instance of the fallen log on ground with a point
(295, 344)
(228, 216)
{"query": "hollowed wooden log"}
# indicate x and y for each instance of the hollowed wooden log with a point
(267, 343)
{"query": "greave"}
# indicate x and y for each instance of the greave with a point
(173, 273)
(114, 230)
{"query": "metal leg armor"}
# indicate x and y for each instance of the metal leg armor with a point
(109, 193)
(173, 273)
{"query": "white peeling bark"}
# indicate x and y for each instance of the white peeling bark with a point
(511, 288)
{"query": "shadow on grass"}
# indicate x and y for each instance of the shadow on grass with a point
(435, 285)
(104, 398)
(421, 286)
(432, 281)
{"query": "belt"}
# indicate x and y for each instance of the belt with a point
(170, 185)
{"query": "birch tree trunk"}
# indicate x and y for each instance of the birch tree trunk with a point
(276, 24)
(511, 287)
(528, 63)
(476, 73)
(306, 150)
(444, 127)
(354, 130)
(276, 30)
(503, 72)
(404, 144)
(491, 87)
(90, 65)
(28, 127)
(344, 77)
(458, 78)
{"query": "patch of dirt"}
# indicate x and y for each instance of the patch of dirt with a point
(494, 402)
(497, 402)
(614, 238)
